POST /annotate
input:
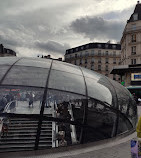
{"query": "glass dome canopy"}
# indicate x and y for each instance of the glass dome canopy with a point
(46, 103)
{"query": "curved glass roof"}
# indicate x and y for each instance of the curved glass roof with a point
(63, 76)
(47, 103)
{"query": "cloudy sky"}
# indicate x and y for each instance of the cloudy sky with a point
(36, 27)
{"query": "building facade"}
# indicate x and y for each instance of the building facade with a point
(6, 52)
(130, 64)
(99, 57)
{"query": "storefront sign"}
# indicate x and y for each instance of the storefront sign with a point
(136, 77)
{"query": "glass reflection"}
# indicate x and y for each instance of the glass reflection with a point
(20, 100)
(65, 107)
(17, 133)
(101, 121)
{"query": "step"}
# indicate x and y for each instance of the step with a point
(48, 130)
(28, 125)
(24, 138)
(24, 142)
(15, 149)
(27, 134)
(29, 128)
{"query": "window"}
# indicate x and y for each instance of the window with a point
(114, 60)
(99, 52)
(106, 68)
(135, 17)
(99, 67)
(134, 27)
(92, 67)
(85, 61)
(106, 52)
(92, 52)
(75, 55)
(106, 60)
(114, 46)
(133, 61)
(99, 45)
(87, 46)
(114, 76)
(114, 53)
(92, 60)
(82, 48)
(106, 45)
(76, 49)
(80, 62)
(99, 60)
(133, 50)
(133, 38)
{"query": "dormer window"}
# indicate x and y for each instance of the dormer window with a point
(99, 45)
(76, 49)
(135, 17)
(106, 45)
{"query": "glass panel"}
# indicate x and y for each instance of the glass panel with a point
(66, 81)
(57, 134)
(98, 91)
(66, 67)
(126, 103)
(17, 134)
(64, 107)
(27, 76)
(91, 74)
(8, 60)
(20, 100)
(3, 70)
(124, 124)
(101, 121)
(34, 62)
(131, 112)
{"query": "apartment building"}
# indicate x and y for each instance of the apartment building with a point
(99, 57)
(130, 64)
(6, 52)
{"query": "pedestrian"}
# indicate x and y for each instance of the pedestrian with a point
(5, 125)
(30, 100)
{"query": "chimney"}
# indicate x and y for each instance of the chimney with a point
(138, 2)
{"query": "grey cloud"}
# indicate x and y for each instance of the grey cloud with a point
(97, 27)
(52, 46)
(8, 41)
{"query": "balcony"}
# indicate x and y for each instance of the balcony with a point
(133, 53)
(132, 29)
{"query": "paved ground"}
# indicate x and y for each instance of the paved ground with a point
(114, 148)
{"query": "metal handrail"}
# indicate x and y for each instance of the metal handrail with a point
(7, 107)
(73, 133)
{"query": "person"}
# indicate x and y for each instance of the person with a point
(31, 100)
(5, 126)
(138, 128)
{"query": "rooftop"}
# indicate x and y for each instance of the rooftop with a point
(136, 14)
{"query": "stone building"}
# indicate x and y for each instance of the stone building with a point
(130, 65)
(100, 57)
(6, 52)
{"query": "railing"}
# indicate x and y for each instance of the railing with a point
(54, 128)
(10, 107)
(73, 133)
(132, 29)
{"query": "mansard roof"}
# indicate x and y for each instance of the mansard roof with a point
(137, 12)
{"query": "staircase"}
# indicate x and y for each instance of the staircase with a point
(22, 134)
